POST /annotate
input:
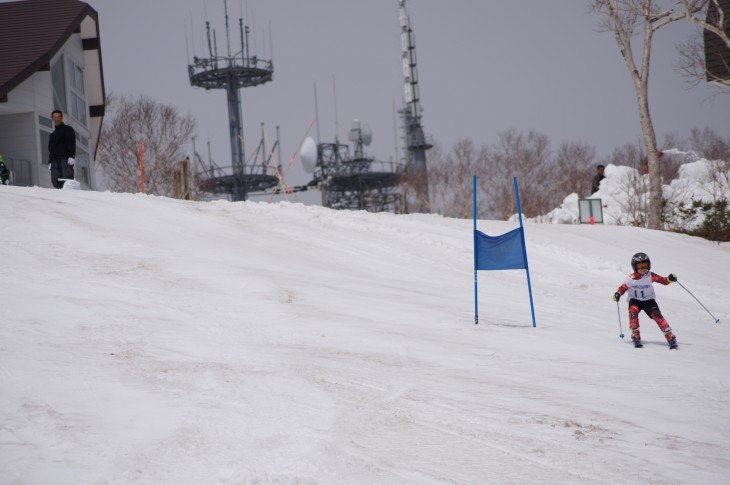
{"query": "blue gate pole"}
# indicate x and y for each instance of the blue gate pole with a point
(476, 294)
(524, 251)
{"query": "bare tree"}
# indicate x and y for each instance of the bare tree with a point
(527, 157)
(413, 196)
(691, 60)
(717, 151)
(626, 19)
(713, 17)
(669, 164)
(450, 178)
(544, 179)
(163, 132)
(630, 154)
(709, 144)
(635, 184)
(574, 168)
(718, 20)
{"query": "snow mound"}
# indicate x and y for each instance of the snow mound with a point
(624, 192)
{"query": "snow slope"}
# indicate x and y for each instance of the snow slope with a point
(146, 340)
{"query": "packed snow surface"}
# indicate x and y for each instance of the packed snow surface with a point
(145, 340)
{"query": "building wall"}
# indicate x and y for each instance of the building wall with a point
(717, 54)
(18, 137)
(19, 140)
(25, 120)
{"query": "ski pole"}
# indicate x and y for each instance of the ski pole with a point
(618, 310)
(717, 320)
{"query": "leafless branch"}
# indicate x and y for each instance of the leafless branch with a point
(162, 131)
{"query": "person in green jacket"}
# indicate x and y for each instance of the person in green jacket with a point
(4, 172)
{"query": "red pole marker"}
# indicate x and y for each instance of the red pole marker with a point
(141, 167)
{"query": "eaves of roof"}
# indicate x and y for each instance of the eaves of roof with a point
(33, 31)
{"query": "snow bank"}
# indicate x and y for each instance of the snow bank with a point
(624, 192)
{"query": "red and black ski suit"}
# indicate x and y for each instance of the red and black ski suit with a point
(641, 297)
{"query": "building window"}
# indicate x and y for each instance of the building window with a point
(59, 85)
(77, 92)
(45, 121)
(45, 135)
(82, 163)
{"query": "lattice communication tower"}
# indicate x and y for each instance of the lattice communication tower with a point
(233, 72)
(415, 140)
(356, 182)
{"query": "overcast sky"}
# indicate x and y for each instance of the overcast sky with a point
(484, 67)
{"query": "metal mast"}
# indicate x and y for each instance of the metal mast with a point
(233, 72)
(356, 182)
(415, 140)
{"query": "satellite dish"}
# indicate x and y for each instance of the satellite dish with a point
(354, 133)
(360, 131)
(308, 154)
(367, 135)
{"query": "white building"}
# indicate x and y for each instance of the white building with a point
(50, 58)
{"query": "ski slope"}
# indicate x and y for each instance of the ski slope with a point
(145, 340)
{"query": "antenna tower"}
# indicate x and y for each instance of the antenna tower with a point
(416, 141)
(356, 182)
(232, 72)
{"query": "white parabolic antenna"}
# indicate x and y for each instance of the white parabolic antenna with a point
(360, 131)
(367, 135)
(308, 154)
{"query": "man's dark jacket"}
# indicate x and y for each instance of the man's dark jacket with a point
(597, 182)
(62, 143)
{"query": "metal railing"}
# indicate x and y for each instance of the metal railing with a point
(19, 172)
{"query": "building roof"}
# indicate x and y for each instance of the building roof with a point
(33, 31)
(717, 53)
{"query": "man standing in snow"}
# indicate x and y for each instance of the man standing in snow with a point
(639, 285)
(597, 179)
(61, 151)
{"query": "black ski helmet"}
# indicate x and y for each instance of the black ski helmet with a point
(639, 258)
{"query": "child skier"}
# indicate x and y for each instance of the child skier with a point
(641, 294)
